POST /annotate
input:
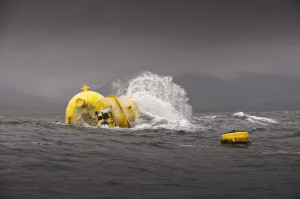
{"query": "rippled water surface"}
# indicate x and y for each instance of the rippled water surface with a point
(41, 157)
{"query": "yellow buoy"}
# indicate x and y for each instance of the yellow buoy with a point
(235, 138)
(90, 108)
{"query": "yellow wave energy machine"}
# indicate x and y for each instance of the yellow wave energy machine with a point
(90, 108)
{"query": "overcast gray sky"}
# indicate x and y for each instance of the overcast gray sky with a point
(47, 45)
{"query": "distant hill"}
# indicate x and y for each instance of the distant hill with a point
(106, 89)
(17, 103)
(46, 108)
(247, 92)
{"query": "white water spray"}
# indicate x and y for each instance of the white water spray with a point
(158, 97)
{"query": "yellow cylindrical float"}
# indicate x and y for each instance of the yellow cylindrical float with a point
(82, 102)
(235, 138)
(90, 108)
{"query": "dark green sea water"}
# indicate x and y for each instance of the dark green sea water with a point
(40, 157)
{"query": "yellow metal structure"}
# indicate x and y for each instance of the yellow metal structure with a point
(90, 108)
(235, 138)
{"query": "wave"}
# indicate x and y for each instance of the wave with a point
(255, 119)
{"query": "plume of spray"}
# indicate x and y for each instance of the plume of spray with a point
(158, 97)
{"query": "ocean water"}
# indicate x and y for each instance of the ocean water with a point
(41, 157)
(169, 153)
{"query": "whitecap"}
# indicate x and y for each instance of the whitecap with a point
(185, 145)
(255, 119)
(239, 114)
